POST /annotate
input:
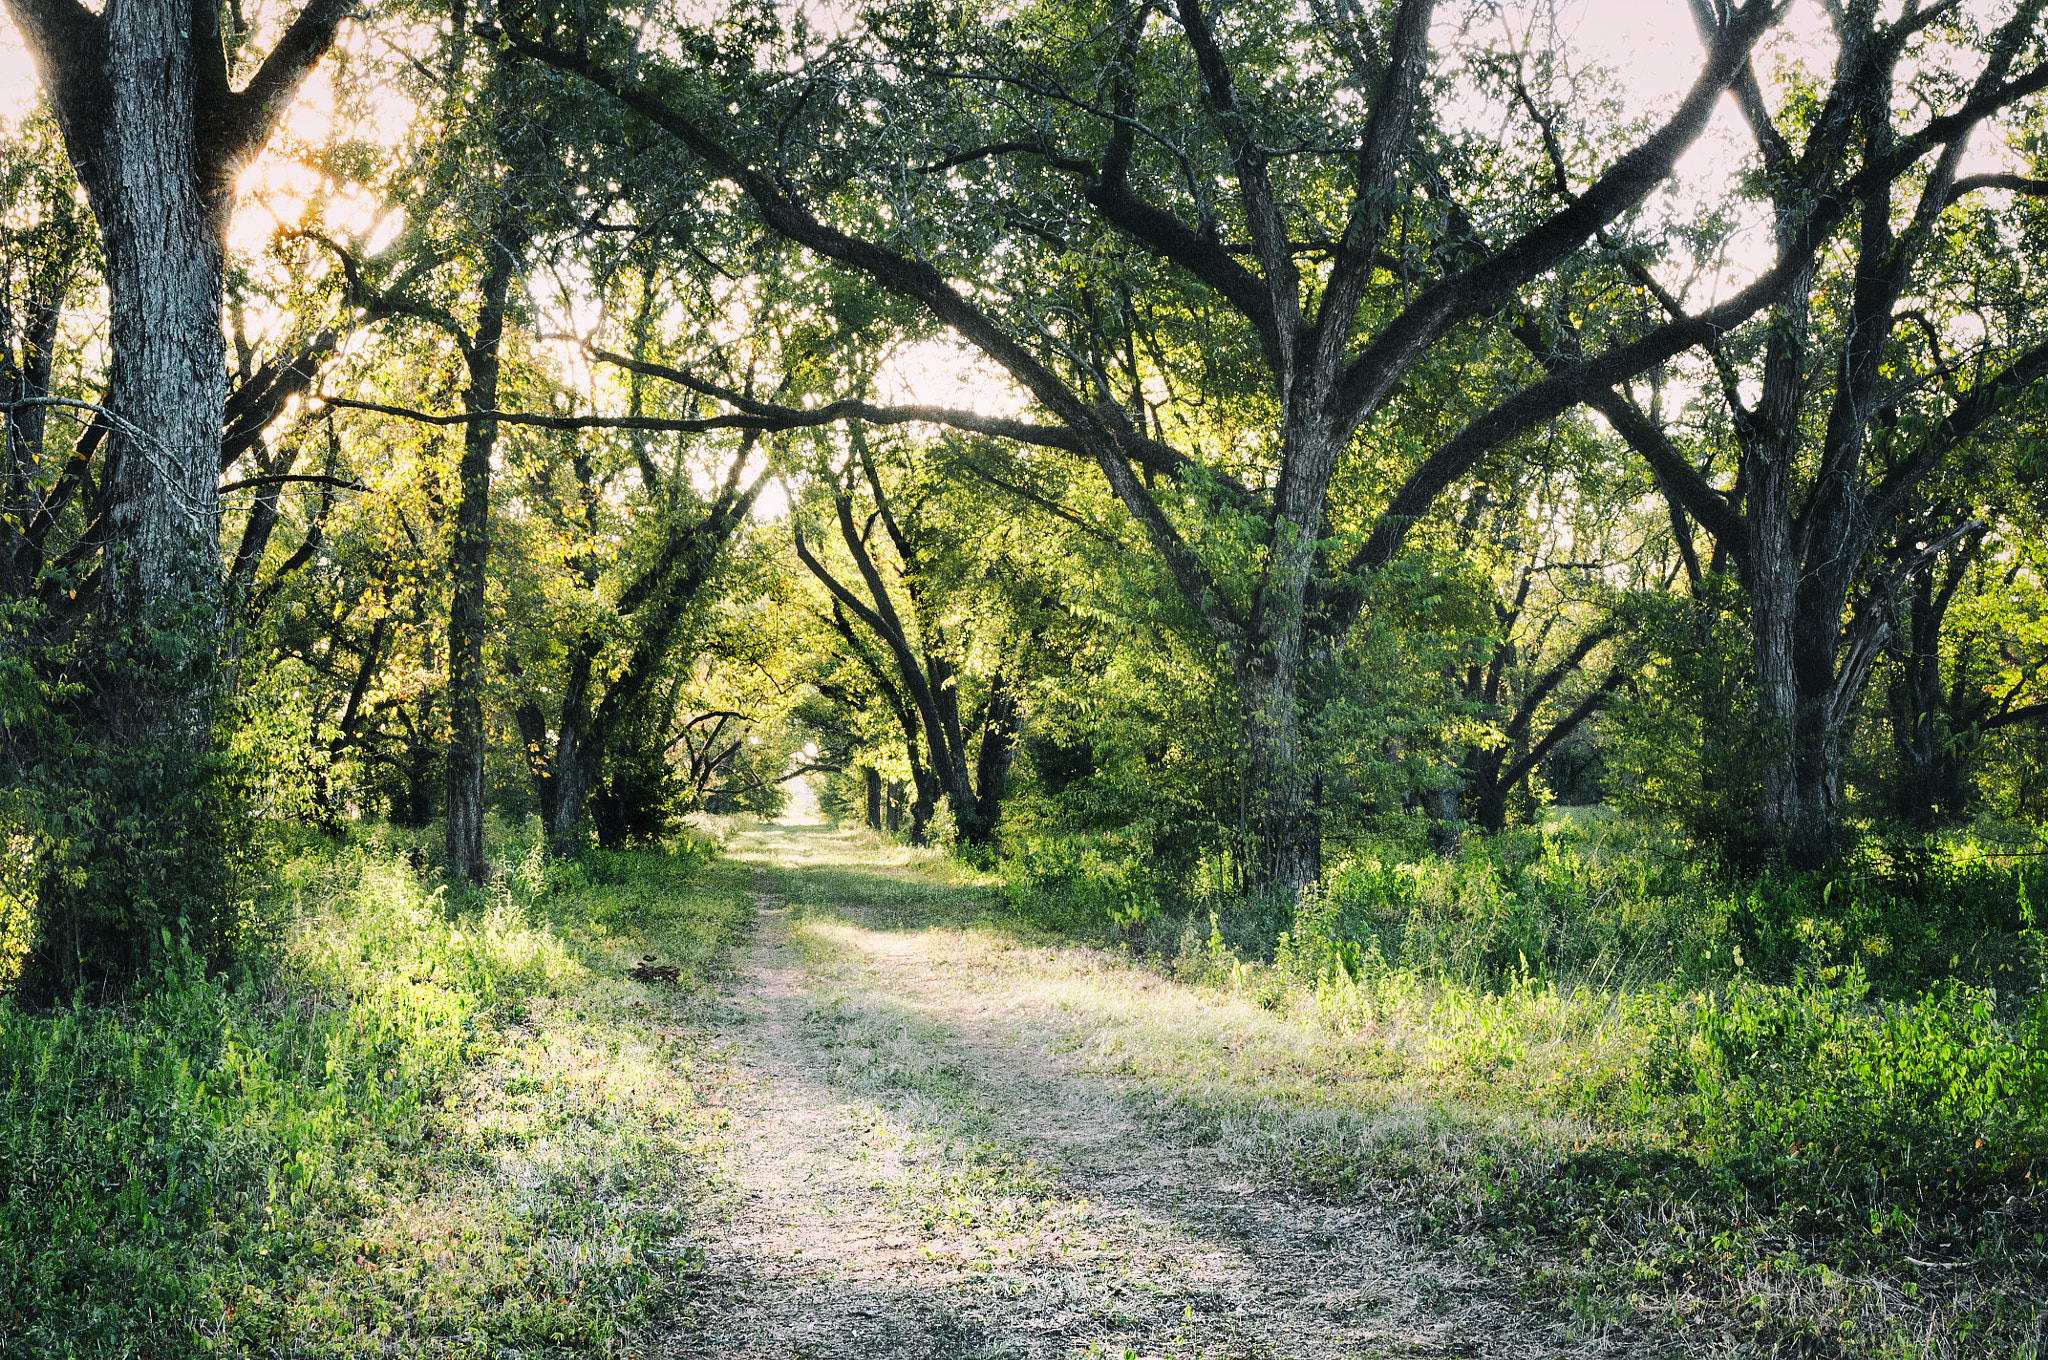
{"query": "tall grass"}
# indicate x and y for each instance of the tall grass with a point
(317, 1155)
(1644, 1079)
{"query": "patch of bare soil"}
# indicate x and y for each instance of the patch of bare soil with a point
(994, 1197)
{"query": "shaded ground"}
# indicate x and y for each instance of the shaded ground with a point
(929, 1158)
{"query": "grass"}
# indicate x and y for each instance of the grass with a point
(1716, 1118)
(1806, 1115)
(413, 1126)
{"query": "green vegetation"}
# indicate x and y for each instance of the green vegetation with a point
(1547, 1059)
(1811, 1109)
(1517, 577)
(442, 1127)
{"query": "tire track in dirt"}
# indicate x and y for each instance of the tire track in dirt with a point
(1004, 1201)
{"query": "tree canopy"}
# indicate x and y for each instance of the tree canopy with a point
(1214, 429)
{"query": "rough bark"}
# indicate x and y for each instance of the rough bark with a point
(1285, 841)
(156, 134)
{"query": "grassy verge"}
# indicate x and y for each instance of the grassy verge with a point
(1767, 1169)
(1798, 1116)
(415, 1126)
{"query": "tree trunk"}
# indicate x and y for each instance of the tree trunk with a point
(572, 772)
(160, 601)
(1287, 840)
(998, 751)
(1488, 792)
(468, 614)
(1446, 829)
(412, 802)
(1771, 563)
(921, 808)
(141, 94)
(871, 780)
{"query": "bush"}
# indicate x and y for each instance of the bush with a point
(1927, 1104)
(1085, 883)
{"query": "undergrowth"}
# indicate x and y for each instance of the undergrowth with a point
(1807, 1113)
(416, 1122)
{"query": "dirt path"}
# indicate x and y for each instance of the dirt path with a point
(921, 1165)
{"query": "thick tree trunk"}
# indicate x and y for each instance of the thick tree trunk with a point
(468, 614)
(1799, 791)
(871, 781)
(575, 777)
(140, 90)
(160, 601)
(1286, 838)
(1287, 833)
(1772, 562)
(1788, 824)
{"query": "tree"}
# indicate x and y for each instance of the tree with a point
(1909, 339)
(1554, 610)
(1075, 138)
(964, 753)
(613, 655)
(157, 134)
(45, 251)
(142, 92)
(1966, 665)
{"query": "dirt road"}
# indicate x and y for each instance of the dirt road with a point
(929, 1157)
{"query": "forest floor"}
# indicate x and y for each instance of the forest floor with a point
(930, 1154)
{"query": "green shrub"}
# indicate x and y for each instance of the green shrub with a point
(1926, 1104)
(1084, 883)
